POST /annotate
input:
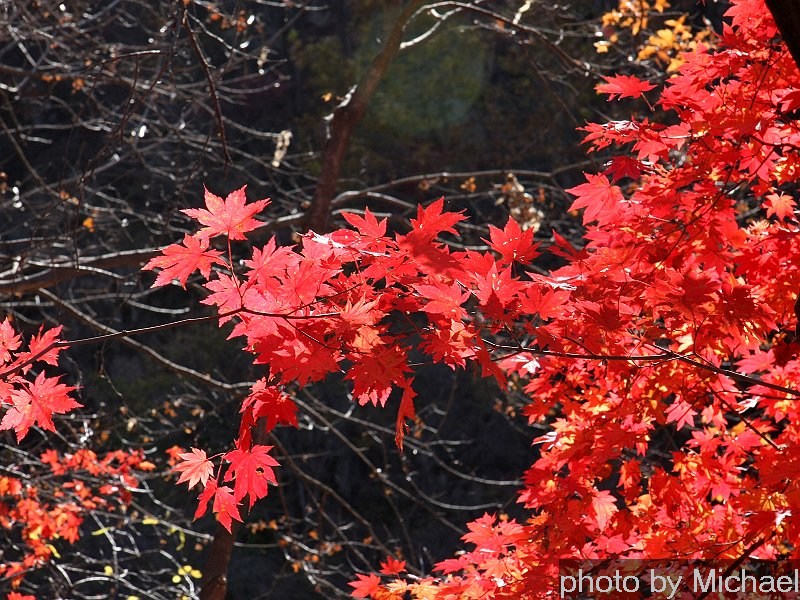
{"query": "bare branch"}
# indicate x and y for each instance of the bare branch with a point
(347, 115)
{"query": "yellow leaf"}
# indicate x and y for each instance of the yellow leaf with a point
(108, 570)
(667, 37)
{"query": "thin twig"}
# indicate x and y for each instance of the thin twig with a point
(212, 89)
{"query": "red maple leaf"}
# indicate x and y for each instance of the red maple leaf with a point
(624, 166)
(758, 361)
(270, 261)
(781, 205)
(512, 243)
(598, 196)
(271, 404)
(547, 304)
(179, 261)
(365, 586)
(681, 413)
(42, 342)
(252, 470)
(374, 374)
(359, 313)
(444, 300)
(231, 217)
(604, 506)
(431, 221)
(226, 293)
(392, 566)
(367, 225)
(194, 467)
(451, 346)
(36, 403)
(496, 291)
(9, 340)
(624, 86)
(224, 505)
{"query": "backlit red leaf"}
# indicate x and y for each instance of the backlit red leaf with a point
(232, 217)
(251, 471)
(36, 403)
(365, 586)
(194, 467)
(598, 196)
(623, 86)
(179, 261)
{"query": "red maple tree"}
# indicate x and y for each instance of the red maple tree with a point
(677, 318)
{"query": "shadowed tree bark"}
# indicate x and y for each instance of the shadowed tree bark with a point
(787, 17)
(347, 115)
(215, 573)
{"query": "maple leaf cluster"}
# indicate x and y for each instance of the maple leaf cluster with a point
(356, 302)
(31, 403)
(43, 505)
(39, 513)
(641, 332)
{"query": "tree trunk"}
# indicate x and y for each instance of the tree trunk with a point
(214, 585)
(787, 17)
(215, 571)
(347, 115)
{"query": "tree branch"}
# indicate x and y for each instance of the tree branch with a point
(347, 115)
(125, 338)
(69, 269)
(212, 88)
(664, 355)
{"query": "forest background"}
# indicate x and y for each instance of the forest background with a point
(114, 115)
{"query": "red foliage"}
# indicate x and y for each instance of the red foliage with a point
(38, 516)
(229, 217)
(638, 332)
(684, 276)
(624, 86)
(179, 261)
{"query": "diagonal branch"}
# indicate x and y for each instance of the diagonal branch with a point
(663, 355)
(347, 115)
(212, 88)
(124, 336)
(69, 269)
